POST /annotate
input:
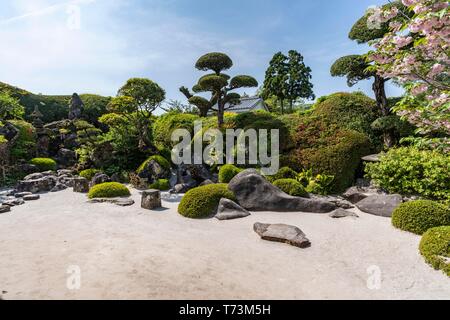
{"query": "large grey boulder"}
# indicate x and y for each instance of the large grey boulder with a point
(99, 178)
(253, 192)
(229, 209)
(44, 184)
(31, 197)
(151, 199)
(380, 204)
(282, 233)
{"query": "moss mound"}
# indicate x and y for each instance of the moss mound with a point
(435, 248)
(161, 184)
(228, 172)
(419, 216)
(291, 186)
(283, 173)
(201, 202)
(159, 159)
(44, 164)
(108, 190)
(89, 173)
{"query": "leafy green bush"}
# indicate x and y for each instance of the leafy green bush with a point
(167, 123)
(291, 186)
(44, 164)
(409, 170)
(202, 201)
(159, 159)
(89, 173)
(26, 142)
(420, 215)
(283, 173)
(161, 184)
(435, 248)
(228, 172)
(108, 190)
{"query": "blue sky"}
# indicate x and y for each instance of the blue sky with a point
(94, 46)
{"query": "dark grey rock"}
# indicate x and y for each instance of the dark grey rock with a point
(75, 107)
(65, 172)
(34, 176)
(255, 193)
(99, 178)
(151, 199)
(31, 197)
(5, 208)
(337, 200)
(66, 180)
(123, 202)
(282, 233)
(22, 194)
(228, 210)
(380, 205)
(80, 185)
(354, 194)
(115, 178)
(13, 202)
(59, 187)
(153, 171)
(66, 157)
(341, 213)
(206, 182)
(43, 184)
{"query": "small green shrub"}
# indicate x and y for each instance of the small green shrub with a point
(435, 248)
(89, 173)
(44, 164)
(202, 201)
(291, 186)
(283, 173)
(161, 184)
(108, 190)
(420, 215)
(228, 172)
(159, 159)
(25, 145)
(409, 170)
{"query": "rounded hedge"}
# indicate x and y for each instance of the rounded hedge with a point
(283, 173)
(108, 190)
(159, 159)
(291, 187)
(89, 173)
(420, 215)
(161, 184)
(201, 202)
(228, 172)
(44, 164)
(435, 248)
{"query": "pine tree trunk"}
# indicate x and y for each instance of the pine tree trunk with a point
(220, 110)
(382, 103)
(282, 106)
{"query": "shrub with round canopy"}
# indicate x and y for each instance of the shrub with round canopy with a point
(435, 248)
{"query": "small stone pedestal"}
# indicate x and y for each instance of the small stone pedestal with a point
(151, 199)
(80, 185)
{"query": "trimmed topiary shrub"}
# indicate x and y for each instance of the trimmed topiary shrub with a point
(44, 164)
(161, 184)
(291, 187)
(420, 215)
(412, 171)
(159, 159)
(89, 173)
(283, 173)
(202, 201)
(435, 248)
(167, 123)
(228, 172)
(108, 190)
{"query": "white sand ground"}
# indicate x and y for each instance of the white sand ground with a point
(131, 253)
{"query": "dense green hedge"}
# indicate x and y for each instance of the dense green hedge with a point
(161, 184)
(291, 187)
(166, 124)
(25, 145)
(89, 173)
(44, 164)
(228, 172)
(108, 190)
(435, 248)
(420, 215)
(409, 170)
(202, 201)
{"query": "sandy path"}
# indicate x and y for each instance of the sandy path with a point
(131, 253)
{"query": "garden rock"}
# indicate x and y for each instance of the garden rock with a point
(354, 194)
(206, 182)
(66, 180)
(31, 197)
(64, 172)
(151, 199)
(81, 185)
(337, 200)
(59, 187)
(153, 171)
(4, 209)
(255, 193)
(22, 194)
(43, 184)
(282, 233)
(34, 176)
(13, 202)
(341, 213)
(123, 202)
(99, 178)
(380, 205)
(66, 157)
(228, 210)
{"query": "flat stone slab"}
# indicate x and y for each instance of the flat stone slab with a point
(123, 202)
(341, 213)
(229, 209)
(22, 194)
(282, 233)
(31, 197)
(380, 204)
(4, 209)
